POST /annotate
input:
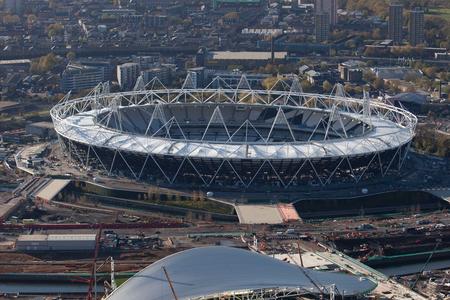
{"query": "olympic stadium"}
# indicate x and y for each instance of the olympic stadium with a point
(231, 273)
(234, 137)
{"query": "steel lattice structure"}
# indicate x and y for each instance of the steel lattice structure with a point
(237, 137)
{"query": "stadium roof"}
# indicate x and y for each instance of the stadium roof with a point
(220, 271)
(385, 135)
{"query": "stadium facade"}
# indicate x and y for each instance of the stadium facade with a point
(236, 137)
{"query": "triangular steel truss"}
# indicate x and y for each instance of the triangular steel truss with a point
(332, 115)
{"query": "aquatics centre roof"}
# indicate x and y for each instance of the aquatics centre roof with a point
(208, 272)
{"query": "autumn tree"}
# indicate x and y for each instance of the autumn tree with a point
(44, 63)
(269, 82)
(11, 19)
(55, 29)
(70, 55)
(327, 86)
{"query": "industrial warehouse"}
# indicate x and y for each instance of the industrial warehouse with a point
(56, 242)
(238, 138)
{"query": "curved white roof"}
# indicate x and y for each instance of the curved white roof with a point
(215, 271)
(82, 128)
(392, 127)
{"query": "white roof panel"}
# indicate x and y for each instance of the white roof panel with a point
(384, 135)
(217, 271)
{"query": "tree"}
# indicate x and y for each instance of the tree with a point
(31, 19)
(411, 77)
(348, 88)
(372, 52)
(376, 34)
(306, 85)
(231, 15)
(11, 19)
(358, 90)
(378, 84)
(327, 86)
(55, 29)
(70, 55)
(369, 76)
(44, 63)
(430, 72)
(269, 82)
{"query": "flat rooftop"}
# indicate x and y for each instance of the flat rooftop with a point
(56, 237)
(246, 55)
(266, 214)
(53, 188)
(259, 214)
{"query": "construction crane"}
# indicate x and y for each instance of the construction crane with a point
(300, 254)
(111, 285)
(170, 284)
(438, 241)
(320, 289)
(93, 278)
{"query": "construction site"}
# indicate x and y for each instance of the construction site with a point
(54, 244)
(74, 238)
(343, 220)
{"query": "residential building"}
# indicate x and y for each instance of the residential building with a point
(442, 56)
(351, 70)
(327, 6)
(416, 27)
(198, 76)
(14, 6)
(147, 62)
(106, 65)
(127, 74)
(395, 25)
(79, 77)
(234, 78)
(322, 27)
(162, 73)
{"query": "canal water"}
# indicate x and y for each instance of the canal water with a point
(44, 288)
(414, 268)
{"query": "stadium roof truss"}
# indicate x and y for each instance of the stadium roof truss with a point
(88, 120)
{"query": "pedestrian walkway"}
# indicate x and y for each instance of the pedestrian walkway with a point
(441, 192)
(386, 286)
